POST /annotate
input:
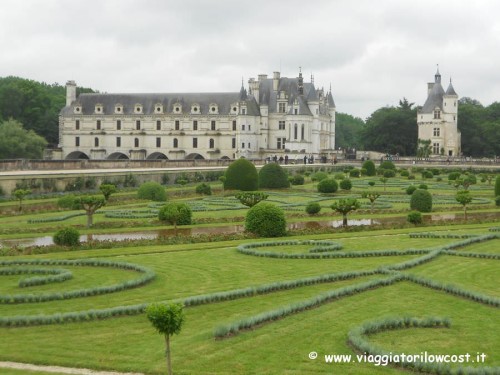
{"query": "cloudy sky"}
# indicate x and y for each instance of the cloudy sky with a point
(373, 53)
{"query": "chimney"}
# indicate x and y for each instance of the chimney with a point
(430, 86)
(276, 80)
(262, 77)
(70, 92)
(254, 87)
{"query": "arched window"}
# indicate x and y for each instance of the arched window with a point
(96, 142)
(295, 132)
(176, 143)
(136, 142)
(211, 143)
(302, 133)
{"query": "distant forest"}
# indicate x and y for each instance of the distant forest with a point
(36, 106)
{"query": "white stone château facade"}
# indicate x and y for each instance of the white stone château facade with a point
(276, 116)
(437, 119)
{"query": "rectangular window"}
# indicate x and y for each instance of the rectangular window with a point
(249, 127)
(177, 125)
(295, 111)
(158, 142)
(118, 124)
(212, 125)
(281, 107)
(118, 141)
(98, 125)
(77, 125)
(77, 141)
(138, 124)
(437, 114)
(96, 142)
(234, 125)
(233, 143)
(435, 148)
(243, 127)
(136, 142)
(195, 125)
(437, 132)
(248, 144)
(195, 142)
(242, 144)
(280, 144)
(158, 124)
(281, 125)
(243, 111)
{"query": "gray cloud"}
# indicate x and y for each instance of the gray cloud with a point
(373, 53)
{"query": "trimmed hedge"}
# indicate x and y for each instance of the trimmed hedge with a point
(370, 168)
(345, 184)
(266, 220)
(421, 200)
(273, 176)
(67, 237)
(152, 191)
(328, 185)
(241, 175)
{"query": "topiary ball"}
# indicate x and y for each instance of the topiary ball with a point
(421, 200)
(313, 208)
(328, 185)
(241, 175)
(67, 237)
(370, 168)
(176, 213)
(273, 176)
(266, 220)
(152, 191)
(345, 184)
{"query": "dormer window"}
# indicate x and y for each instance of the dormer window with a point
(118, 108)
(214, 109)
(437, 114)
(158, 108)
(177, 108)
(78, 109)
(99, 108)
(195, 109)
(282, 107)
(243, 111)
(138, 108)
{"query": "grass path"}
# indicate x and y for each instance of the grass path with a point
(57, 369)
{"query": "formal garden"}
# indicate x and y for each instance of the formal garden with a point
(272, 270)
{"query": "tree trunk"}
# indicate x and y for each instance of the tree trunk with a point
(344, 220)
(167, 353)
(465, 213)
(89, 219)
(373, 204)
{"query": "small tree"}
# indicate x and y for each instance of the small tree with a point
(167, 320)
(20, 194)
(176, 214)
(414, 217)
(90, 204)
(344, 206)
(251, 198)
(464, 198)
(203, 189)
(384, 181)
(107, 190)
(372, 197)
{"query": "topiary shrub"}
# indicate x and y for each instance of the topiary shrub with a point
(421, 200)
(411, 177)
(404, 173)
(266, 220)
(388, 173)
(427, 174)
(328, 185)
(497, 186)
(313, 208)
(152, 191)
(386, 164)
(67, 237)
(345, 184)
(175, 214)
(354, 173)
(241, 175)
(423, 186)
(339, 176)
(454, 176)
(297, 179)
(371, 183)
(411, 189)
(204, 189)
(319, 176)
(370, 168)
(273, 176)
(69, 202)
(497, 200)
(435, 171)
(414, 217)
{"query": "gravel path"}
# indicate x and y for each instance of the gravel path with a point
(61, 370)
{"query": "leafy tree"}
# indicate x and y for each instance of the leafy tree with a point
(372, 197)
(203, 189)
(16, 142)
(266, 220)
(107, 190)
(167, 320)
(424, 148)
(90, 204)
(384, 181)
(241, 175)
(176, 213)
(347, 131)
(464, 198)
(153, 191)
(344, 206)
(392, 129)
(20, 194)
(273, 176)
(251, 198)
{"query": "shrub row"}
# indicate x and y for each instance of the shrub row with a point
(55, 219)
(470, 241)
(147, 276)
(56, 275)
(471, 254)
(439, 235)
(250, 322)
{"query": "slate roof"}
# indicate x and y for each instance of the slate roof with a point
(450, 90)
(435, 99)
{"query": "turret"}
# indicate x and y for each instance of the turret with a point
(70, 92)
(276, 81)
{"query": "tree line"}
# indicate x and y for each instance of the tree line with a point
(29, 112)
